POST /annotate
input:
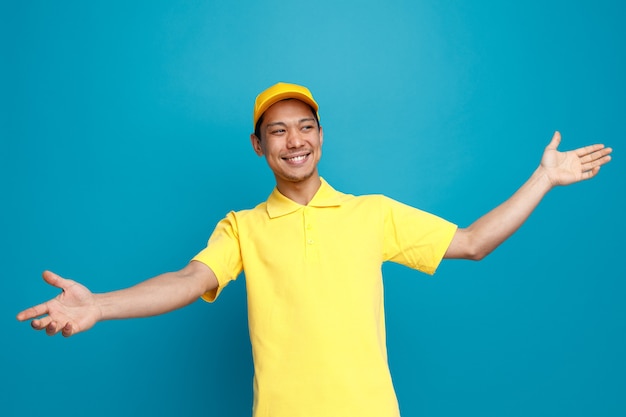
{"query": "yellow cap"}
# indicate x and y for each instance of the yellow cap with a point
(278, 92)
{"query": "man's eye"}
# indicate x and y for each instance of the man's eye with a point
(277, 131)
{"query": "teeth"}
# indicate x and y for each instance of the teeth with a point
(297, 158)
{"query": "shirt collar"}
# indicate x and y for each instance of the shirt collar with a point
(279, 205)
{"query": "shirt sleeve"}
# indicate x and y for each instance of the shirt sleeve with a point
(222, 254)
(415, 238)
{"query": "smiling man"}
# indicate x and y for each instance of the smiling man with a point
(312, 258)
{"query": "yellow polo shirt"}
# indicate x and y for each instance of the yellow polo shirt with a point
(315, 296)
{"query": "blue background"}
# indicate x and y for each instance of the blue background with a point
(124, 139)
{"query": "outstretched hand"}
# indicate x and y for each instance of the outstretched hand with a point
(580, 164)
(72, 311)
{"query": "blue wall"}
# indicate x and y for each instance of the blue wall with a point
(124, 139)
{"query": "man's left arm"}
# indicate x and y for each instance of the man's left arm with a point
(556, 168)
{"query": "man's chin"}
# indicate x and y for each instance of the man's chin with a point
(297, 178)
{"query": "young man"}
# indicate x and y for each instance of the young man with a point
(312, 258)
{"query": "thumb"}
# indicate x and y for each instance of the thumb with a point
(554, 143)
(56, 280)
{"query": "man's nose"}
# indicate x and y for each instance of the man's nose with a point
(294, 138)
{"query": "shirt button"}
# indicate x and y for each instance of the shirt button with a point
(310, 241)
(309, 227)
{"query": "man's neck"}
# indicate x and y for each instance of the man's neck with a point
(302, 192)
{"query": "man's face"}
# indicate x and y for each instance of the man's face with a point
(290, 141)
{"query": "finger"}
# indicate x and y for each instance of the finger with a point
(68, 330)
(599, 154)
(591, 173)
(41, 324)
(52, 328)
(596, 163)
(592, 158)
(31, 313)
(592, 149)
(556, 140)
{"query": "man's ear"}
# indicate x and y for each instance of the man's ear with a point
(321, 136)
(256, 144)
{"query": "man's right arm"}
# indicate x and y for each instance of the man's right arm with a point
(77, 309)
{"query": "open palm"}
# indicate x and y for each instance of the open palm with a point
(579, 164)
(72, 311)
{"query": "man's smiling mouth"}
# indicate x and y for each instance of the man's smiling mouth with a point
(296, 159)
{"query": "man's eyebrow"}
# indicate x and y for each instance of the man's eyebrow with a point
(306, 119)
(276, 124)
